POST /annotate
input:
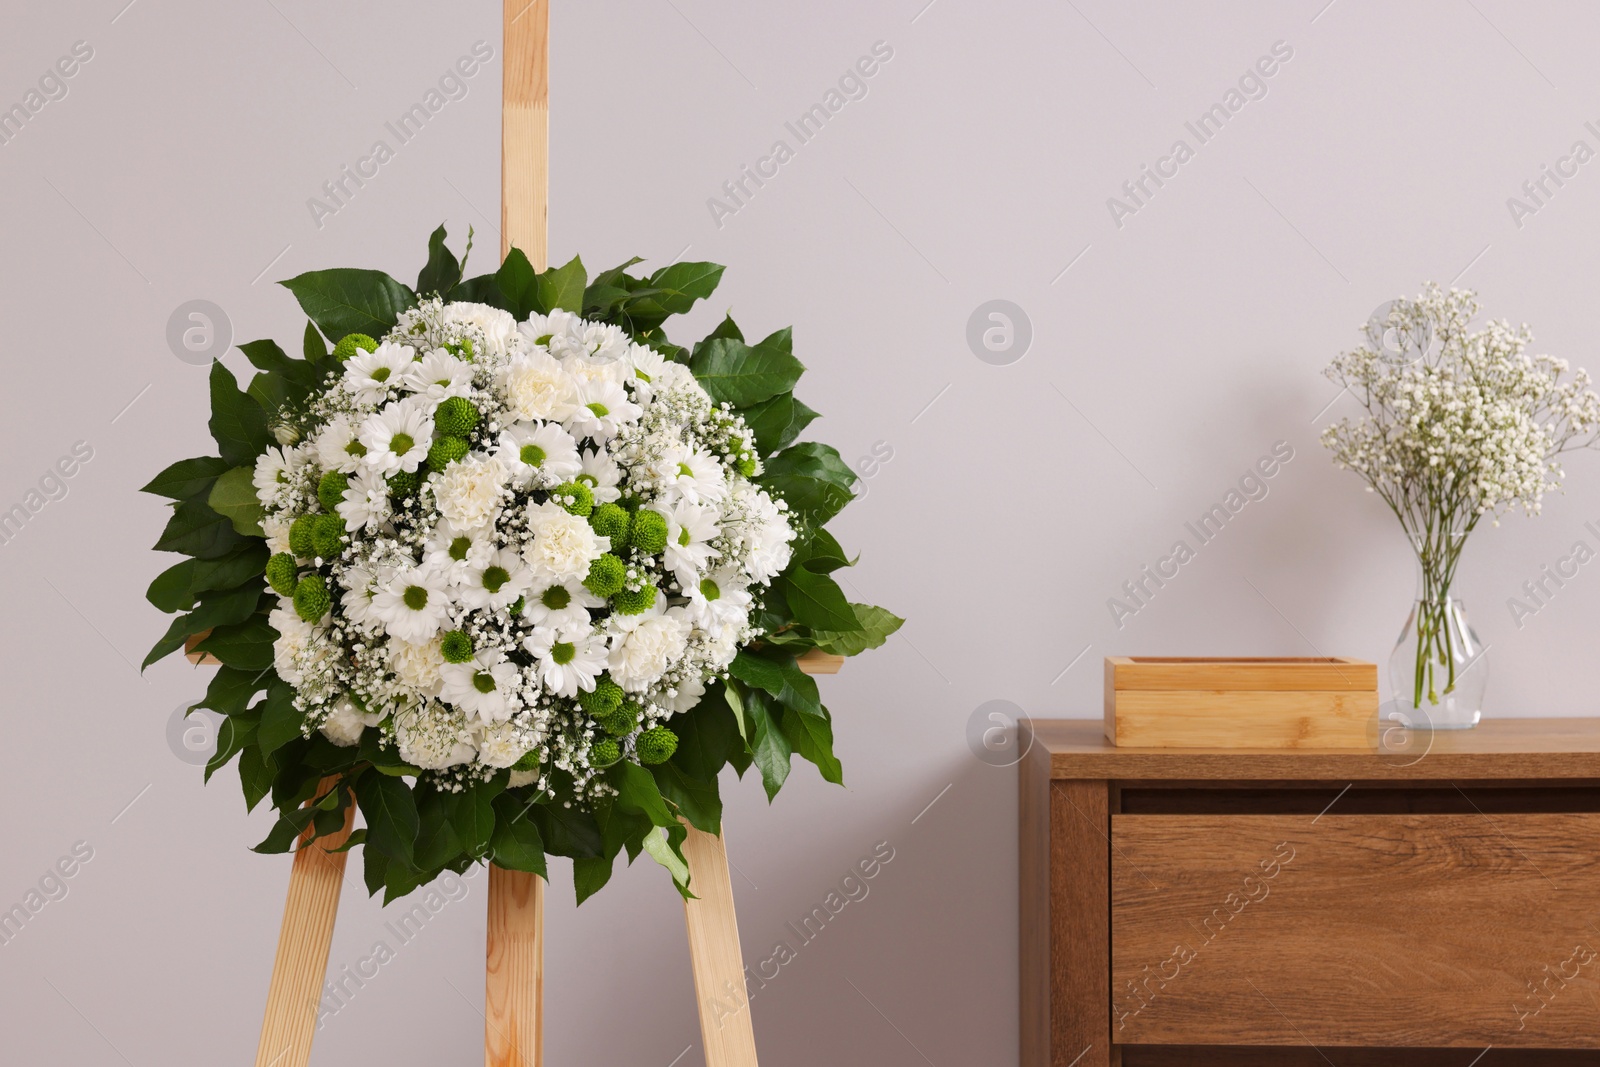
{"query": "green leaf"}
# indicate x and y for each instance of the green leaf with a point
(313, 346)
(823, 553)
(472, 814)
(811, 735)
(172, 588)
(374, 869)
(775, 672)
(743, 375)
(566, 831)
(290, 825)
(255, 776)
(196, 530)
(483, 289)
(234, 495)
(345, 300)
(246, 645)
(561, 287)
(637, 791)
(816, 600)
(247, 562)
(238, 424)
(665, 847)
(186, 478)
(813, 479)
(391, 815)
(679, 285)
(384, 757)
(442, 272)
(590, 874)
(231, 740)
(696, 800)
(515, 843)
(215, 609)
(618, 276)
(265, 355)
(518, 284)
(280, 721)
(777, 421)
(876, 626)
(231, 689)
(706, 734)
(437, 843)
(768, 744)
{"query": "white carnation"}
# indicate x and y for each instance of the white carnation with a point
(644, 646)
(468, 492)
(536, 386)
(563, 545)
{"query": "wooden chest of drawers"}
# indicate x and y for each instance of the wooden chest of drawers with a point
(1255, 908)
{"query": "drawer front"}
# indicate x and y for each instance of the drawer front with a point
(1367, 930)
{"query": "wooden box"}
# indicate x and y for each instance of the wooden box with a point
(1202, 702)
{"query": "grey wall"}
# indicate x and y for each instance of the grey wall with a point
(1167, 355)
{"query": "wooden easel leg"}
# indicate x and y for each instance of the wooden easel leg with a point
(513, 998)
(303, 943)
(725, 1026)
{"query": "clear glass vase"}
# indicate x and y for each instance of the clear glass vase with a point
(1438, 668)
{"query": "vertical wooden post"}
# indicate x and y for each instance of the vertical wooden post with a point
(725, 1026)
(513, 1002)
(303, 942)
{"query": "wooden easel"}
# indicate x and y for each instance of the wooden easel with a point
(514, 952)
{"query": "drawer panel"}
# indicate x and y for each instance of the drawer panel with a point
(1441, 931)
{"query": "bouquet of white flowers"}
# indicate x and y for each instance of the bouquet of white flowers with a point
(1459, 425)
(518, 550)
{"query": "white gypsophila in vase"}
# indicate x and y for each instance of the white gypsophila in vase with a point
(1458, 425)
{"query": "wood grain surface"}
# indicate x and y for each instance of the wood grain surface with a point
(513, 1000)
(525, 131)
(1137, 718)
(1440, 931)
(1240, 673)
(726, 1030)
(301, 963)
(1529, 749)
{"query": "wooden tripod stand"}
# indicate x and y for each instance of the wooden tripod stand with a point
(514, 952)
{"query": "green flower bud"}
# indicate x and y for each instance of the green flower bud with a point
(351, 343)
(455, 416)
(604, 699)
(610, 521)
(330, 490)
(311, 599)
(300, 534)
(747, 466)
(574, 496)
(456, 646)
(634, 601)
(327, 536)
(656, 745)
(282, 574)
(445, 451)
(621, 721)
(606, 576)
(648, 531)
(604, 753)
(404, 483)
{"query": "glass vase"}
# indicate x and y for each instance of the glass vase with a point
(1438, 668)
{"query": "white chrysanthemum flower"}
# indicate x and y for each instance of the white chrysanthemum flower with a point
(438, 375)
(602, 475)
(453, 552)
(501, 745)
(485, 688)
(563, 545)
(365, 501)
(646, 363)
(690, 530)
(276, 529)
(537, 387)
(397, 438)
(692, 474)
(498, 327)
(603, 408)
(560, 333)
(468, 491)
(686, 696)
(369, 376)
(344, 724)
(432, 737)
(274, 468)
(719, 605)
(497, 583)
(413, 605)
(337, 446)
(567, 660)
(360, 585)
(561, 605)
(418, 666)
(644, 646)
(538, 454)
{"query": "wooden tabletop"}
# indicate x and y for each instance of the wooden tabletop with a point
(1495, 749)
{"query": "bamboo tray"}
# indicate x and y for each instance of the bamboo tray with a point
(1244, 702)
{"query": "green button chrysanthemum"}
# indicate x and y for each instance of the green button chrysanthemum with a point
(605, 698)
(311, 598)
(300, 536)
(351, 343)
(648, 531)
(656, 745)
(609, 520)
(604, 753)
(456, 647)
(328, 536)
(455, 416)
(606, 576)
(634, 601)
(330, 490)
(282, 574)
(445, 451)
(575, 497)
